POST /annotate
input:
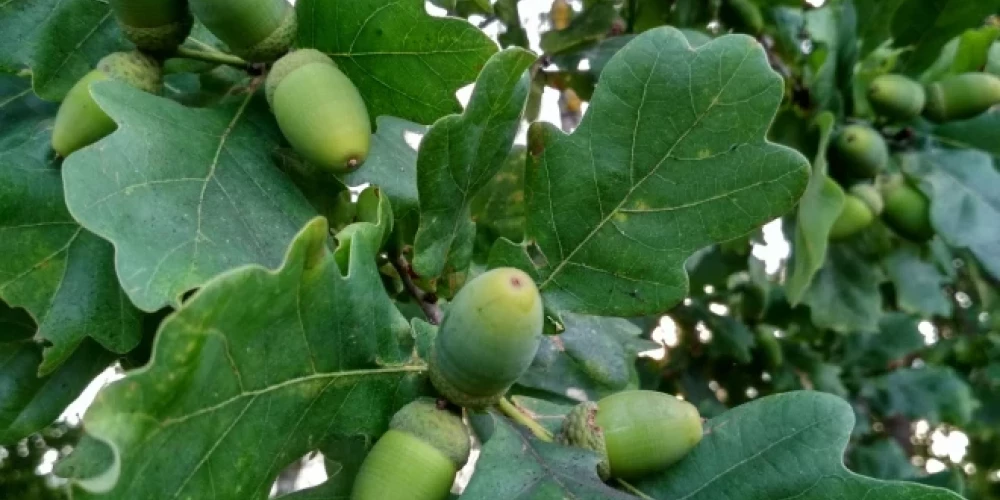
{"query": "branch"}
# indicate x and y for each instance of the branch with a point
(213, 57)
(427, 301)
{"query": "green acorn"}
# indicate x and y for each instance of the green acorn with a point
(488, 337)
(80, 121)
(153, 25)
(859, 151)
(418, 457)
(256, 30)
(962, 96)
(896, 96)
(319, 111)
(907, 210)
(635, 432)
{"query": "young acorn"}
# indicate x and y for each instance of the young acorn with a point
(635, 432)
(896, 97)
(488, 338)
(80, 121)
(561, 13)
(907, 210)
(256, 30)
(154, 25)
(962, 96)
(418, 457)
(861, 206)
(859, 152)
(319, 111)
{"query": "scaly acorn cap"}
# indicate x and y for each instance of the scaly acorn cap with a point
(580, 429)
(438, 427)
(291, 62)
(870, 196)
(276, 44)
(134, 68)
(154, 25)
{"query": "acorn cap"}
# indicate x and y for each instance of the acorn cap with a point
(159, 38)
(289, 63)
(870, 196)
(134, 68)
(580, 429)
(276, 44)
(438, 427)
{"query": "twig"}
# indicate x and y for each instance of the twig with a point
(633, 490)
(427, 301)
(212, 57)
(515, 414)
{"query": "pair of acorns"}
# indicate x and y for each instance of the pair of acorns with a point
(318, 109)
(488, 338)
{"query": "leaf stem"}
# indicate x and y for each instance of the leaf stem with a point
(633, 490)
(428, 301)
(515, 414)
(212, 57)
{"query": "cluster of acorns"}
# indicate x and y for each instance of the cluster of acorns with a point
(859, 153)
(488, 338)
(317, 107)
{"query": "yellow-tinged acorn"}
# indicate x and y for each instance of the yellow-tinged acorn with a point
(153, 25)
(488, 337)
(319, 111)
(962, 96)
(418, 457)
(256, 30)
(80, 121)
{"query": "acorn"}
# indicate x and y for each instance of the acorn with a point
(256, 30)
(636, 433)
(561, 13)
(319, 111)
(859, 151)
(80, 121)
(417, 458)
(153, 25)
(488, 338)
(960, 97)
(896, 96)
(907, 210)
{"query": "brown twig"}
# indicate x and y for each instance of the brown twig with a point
(427, 301)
